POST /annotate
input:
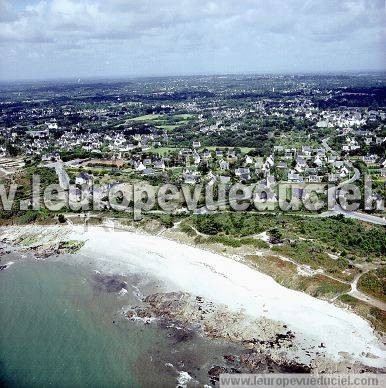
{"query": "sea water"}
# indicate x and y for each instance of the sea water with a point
(59, 328)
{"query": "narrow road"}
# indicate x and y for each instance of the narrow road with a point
(326, 146)
(64, 180)
(377, 220)
(364, 297)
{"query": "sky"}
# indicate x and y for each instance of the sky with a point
(47, 39)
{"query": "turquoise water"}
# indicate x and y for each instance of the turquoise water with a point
(57, 330)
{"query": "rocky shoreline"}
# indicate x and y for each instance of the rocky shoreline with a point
(30, 243)
(265, 346)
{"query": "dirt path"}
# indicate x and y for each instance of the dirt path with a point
(364, 297)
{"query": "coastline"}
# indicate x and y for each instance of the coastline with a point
(232, 286)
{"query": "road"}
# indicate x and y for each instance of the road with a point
(350, 214)
(364, 297)
(354, 178)
(326, 146)
(64, 180)
(356, 215)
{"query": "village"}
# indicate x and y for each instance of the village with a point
(204, 139)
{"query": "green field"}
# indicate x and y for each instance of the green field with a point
(168, 123)
(162, 151)
(244, 150)
(167, 127)
(150, 117)
(184, 116)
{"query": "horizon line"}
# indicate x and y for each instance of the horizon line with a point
(78, 79)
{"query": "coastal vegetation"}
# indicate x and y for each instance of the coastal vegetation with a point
(286, 274)
(347, 237)
(315, 256)
(231, 242)
(374, 283)
(376, 316)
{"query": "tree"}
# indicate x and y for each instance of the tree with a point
(275, 236)
(11, 150)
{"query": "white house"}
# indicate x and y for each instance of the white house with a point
(224, 165)
(139, 167)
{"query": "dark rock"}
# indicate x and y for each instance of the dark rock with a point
(110, 283)
(230, 358)
(215, 372)
(182, 335)
(294, 367)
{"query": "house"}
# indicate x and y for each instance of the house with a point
(314, 179)
(370, 159)
(278, 149)
(243, 173)
(196, 144)
(338, 163)
(224, 165)
(270, 161)
(248, 160)
(84, 179)
(306, 150)
(53, 156)
(185, 152)
(139, 166)
(332, 177)
(148, 171)
(288, 154)
(159, 164)
(191, 177)
(344, 172)
(318, 162)
(231, 154)
(294, 177)
(52, 125)
(282, 165)
(196, 158)
(207, 154)
(301, 164)
(211, 178)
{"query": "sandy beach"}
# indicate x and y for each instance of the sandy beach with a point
(222, 281)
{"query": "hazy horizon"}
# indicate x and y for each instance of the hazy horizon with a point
(67, 39)
(119, 78)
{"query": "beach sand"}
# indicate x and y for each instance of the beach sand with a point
(222, 281)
